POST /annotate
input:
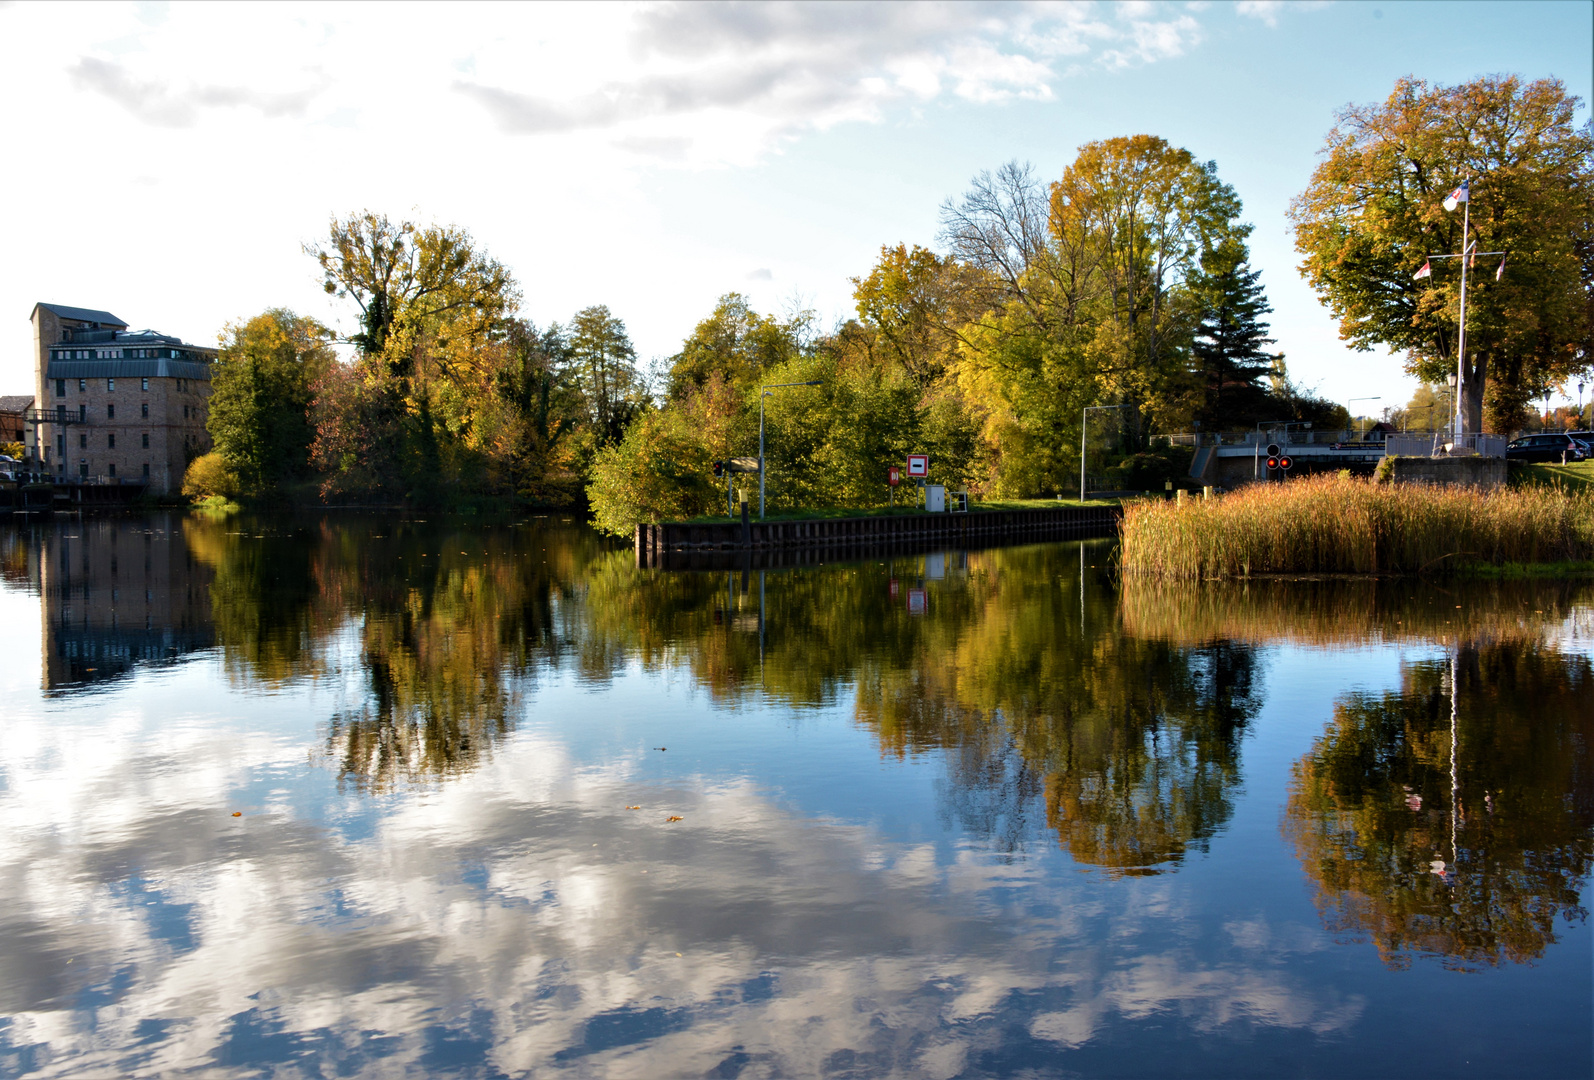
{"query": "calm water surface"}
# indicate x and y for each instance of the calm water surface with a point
(370, 797)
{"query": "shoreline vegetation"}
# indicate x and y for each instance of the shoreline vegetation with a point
(1342, 525)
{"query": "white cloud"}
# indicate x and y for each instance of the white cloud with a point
(1265, 10)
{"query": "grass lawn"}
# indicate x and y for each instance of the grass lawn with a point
(1578, 476)
(810, 513)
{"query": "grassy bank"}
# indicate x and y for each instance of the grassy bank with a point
(1340, 525)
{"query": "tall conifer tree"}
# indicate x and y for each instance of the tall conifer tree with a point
(1231, 340)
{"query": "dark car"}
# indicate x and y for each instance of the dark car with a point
(1546, 448)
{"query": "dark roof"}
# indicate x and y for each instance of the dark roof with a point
(82, 314)
(15, 403)
(128, 369)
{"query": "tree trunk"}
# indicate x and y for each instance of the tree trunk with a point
(1474, 375)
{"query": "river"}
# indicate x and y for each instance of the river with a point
(363, 796)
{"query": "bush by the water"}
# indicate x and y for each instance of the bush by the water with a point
(1338, 524)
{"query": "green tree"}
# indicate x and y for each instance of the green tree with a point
(604, 364)
(1372, 215)
(659, 470)
(1230, 340)
(262, 386)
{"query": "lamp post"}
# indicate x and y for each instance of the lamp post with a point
(1084, 416)
(763, 392)
(1375, 397)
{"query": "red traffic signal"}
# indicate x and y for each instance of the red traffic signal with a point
(1285, 463)
(1272, 462)
(719, 468)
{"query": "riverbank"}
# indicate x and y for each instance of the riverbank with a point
(1333, 524)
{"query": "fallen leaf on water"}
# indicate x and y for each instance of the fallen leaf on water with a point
(237, 813)
(673, 817)
(633, 808)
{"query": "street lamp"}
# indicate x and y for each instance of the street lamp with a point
(1375, 397)
(1083, 417)
(764, 393)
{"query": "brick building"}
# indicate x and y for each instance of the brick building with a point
(114, 405)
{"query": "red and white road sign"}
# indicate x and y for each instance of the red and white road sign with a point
(894, 475)
(918, 465)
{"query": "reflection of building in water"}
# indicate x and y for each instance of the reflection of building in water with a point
(117, 594)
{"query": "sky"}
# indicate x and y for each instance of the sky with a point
(169, 161)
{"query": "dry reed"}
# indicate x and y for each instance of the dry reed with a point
(1342, 525)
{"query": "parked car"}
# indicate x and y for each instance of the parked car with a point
(1546, 448)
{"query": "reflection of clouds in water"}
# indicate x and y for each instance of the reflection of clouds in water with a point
(522, 916)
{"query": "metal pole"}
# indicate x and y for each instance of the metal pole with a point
(1461, 342)
(1083, 413)
(761, 396)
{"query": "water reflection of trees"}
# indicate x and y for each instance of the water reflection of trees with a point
(1470, 845)
(1018, 672)
(448, 624)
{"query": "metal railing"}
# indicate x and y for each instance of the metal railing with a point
(1443, 444)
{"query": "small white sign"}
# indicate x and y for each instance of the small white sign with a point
(918, 465)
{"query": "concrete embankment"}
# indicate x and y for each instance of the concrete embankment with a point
(682, 545)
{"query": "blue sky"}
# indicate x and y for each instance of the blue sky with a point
(653, 157)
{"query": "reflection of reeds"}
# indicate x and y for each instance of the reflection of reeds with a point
(1333, 524)
(1344, 611)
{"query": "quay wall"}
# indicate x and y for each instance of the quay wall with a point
(670, 543)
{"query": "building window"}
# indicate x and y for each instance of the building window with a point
(145, 408)
(110, 441)
(110, 386)
(110, 470)
(146, 466)
(60, 388)
(110, 412)
(146, 384)
(82, 386)
(60, 446)
(82, 414)
(83, 468)
(83, 440)
(185, 412)
(146, 440)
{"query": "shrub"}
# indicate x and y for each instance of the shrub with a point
(207, 475)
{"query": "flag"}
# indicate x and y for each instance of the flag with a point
(1457, 196)
(1427, 268)
(1500, 271)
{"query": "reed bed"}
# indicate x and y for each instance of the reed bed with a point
(1343, 525)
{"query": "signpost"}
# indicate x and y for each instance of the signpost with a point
(893, 478)
(918, 466)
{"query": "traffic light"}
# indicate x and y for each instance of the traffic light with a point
(1285, 463)
(1273, 462)
(1272, 452)
(719, 468)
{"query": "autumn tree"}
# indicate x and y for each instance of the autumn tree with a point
(262, 386)
(916, 302)
(735, 343)
(1372, 215)
(434, 310)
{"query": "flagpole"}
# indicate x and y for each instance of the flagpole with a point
(1461, 344)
